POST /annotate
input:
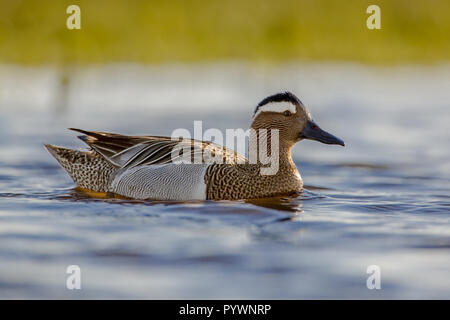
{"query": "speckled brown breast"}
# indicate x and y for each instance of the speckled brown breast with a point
(244, 181)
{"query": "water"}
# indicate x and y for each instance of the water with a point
(382, 200)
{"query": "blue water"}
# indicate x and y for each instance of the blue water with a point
(382, 200)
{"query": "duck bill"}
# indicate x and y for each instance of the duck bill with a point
(313, 132)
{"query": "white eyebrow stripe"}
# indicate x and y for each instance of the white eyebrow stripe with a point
(280, 107)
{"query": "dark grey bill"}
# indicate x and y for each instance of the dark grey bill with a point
(313, 132)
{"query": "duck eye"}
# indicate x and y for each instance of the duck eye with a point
(287, 113)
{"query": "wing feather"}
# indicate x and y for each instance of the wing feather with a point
(129, 151)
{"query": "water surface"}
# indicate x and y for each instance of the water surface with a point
(382, 200)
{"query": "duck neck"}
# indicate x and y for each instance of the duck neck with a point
(267, 149)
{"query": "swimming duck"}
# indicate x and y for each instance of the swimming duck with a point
(144, 167)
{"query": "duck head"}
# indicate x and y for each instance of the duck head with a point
(285, 112)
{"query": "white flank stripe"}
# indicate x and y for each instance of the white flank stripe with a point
(276, 107)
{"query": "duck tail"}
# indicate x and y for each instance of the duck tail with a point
(86, 168)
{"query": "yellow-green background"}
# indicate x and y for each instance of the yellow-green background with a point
(34, 31)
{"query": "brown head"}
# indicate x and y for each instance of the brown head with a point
(285, 112)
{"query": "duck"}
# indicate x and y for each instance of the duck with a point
(149, 167)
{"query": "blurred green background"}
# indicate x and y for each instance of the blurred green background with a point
(34, 31)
